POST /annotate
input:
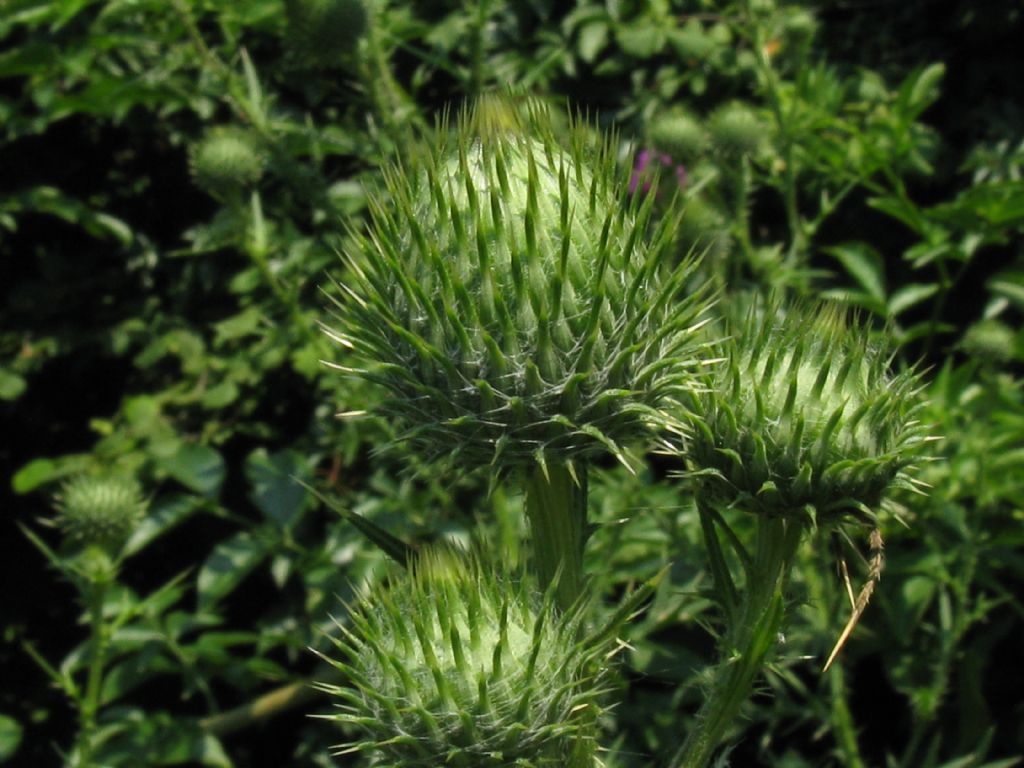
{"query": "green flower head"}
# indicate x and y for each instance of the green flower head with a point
(452, 664)
(100, 511)
(513, 300)
(803, 416)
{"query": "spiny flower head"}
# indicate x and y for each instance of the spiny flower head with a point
(514, 300)
(226, 160)
(803, 416)
(100, 511)
(453, 664)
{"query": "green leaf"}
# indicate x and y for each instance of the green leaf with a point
(641, 42)
(593, 37)
(10, 737)
(35, 473)
(922, 87)
(229, 563)
(248, 322)
(11, 385)
(197, 467)
(864, 264)
(275, 490)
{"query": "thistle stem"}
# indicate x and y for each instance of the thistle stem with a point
(94, 683)
(556, 505)
(746, 642)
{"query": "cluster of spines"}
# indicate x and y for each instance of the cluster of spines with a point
(805, 414)
(556, 333)
(466, 669)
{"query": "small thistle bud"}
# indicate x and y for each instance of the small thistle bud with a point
(320, 32)
(990, 340)
(509, 296)
(704, 226)
(799, 25)
(803, 416)
(452, 664)
(679, 135)
(226, 160)
(736, 131)
(100, 511)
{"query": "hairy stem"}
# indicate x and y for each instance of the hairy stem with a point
(747, 641)
(556, 505)
(90, 702)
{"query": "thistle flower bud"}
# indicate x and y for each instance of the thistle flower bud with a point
(455, 665)
(100, 511)
(321, 31)
(803, 416)
(679, 135)
(509, 297)
(736, 130)
(226, 160)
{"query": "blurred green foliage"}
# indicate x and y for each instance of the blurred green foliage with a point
(159, 305)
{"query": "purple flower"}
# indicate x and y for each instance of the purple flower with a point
(646, 168)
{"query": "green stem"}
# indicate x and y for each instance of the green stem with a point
(747, 641)
(477, 82)
(90, 703)
(556, 506)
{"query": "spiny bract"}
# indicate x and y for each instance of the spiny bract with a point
(803, 416)
(508, 296)
(453, 664)
(101, 510)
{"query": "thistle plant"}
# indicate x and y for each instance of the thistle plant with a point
(802, 425)
(456, 663)
(521, 311)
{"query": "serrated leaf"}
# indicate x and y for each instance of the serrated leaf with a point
(161, 517)
(909, 295)
(864, 264)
